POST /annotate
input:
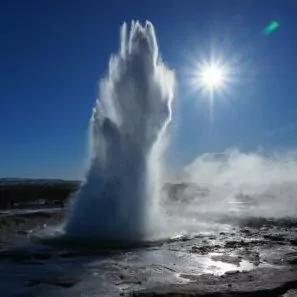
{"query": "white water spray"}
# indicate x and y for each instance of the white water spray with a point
(119, 199)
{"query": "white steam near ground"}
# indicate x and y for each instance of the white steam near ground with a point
(239, 184)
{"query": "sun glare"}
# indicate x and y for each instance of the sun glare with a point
(212, 79)
(212, 76)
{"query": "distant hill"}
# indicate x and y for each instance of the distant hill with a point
(16, 192)
(12, 181)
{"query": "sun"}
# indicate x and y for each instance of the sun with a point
(212, 76)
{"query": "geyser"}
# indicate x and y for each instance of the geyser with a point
(119, 198)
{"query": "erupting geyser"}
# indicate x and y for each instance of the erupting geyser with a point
(119, 198)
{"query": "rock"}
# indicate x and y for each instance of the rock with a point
(251, 256)
(245, 231)
(185, 239)
(274, 237)
(259, 282)
(226, 259)
(231, 272)
(291, 258)
(205, 249)
(65, 282)
(293, 241)
(235, 244)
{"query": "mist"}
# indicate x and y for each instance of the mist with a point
(237, 185)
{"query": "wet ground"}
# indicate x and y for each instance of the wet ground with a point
(258, 257)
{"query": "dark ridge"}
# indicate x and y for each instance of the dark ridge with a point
(20, 193)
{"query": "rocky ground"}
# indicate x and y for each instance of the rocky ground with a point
(257, 258)
(16, 228)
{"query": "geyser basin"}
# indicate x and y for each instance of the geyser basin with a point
(119, 200)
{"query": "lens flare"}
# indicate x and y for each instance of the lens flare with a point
(271, 27)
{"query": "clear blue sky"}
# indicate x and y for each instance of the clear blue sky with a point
(53, 52)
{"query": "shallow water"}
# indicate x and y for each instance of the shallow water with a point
(40, 270)
(29, 267)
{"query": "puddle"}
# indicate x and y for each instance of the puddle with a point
(116, 272)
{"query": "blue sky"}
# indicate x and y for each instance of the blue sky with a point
(54, 52)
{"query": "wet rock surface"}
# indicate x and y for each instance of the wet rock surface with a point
(260, 282)
(258, 258)
(268, 246)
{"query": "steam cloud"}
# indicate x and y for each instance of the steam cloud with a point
(268, 182)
